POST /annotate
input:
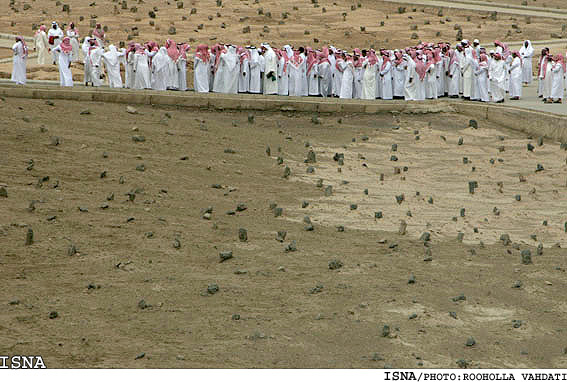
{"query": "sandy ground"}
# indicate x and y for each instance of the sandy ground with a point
(274, 308)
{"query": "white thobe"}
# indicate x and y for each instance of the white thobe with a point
(270, 69)
(244, 76)
(57, 37)
(111, 61)
(467, 70)
(42, 48)
(497, 74)
(431, 82)
(454, 79)
(255, 77)
(313, 80)
(516, 78)
(369, 81)
(410, 89)
(173, 74)
(347, 80)
(399, 79)
(548, 81)
(283, 77)
(95, 56)
(201, 71)
(129, 71)
(325, 79)
(386, 81)
(182, 73)
(160, 70)
(74, 37)
(527, 54)
(19, 64)
(64, 61)
(482, 76)
(357, 90)
(142, 78)
(557, 86)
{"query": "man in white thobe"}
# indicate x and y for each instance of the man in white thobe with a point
(54, 37)
(270, 70)
(20, 51)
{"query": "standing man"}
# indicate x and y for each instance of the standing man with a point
(41, 45)
(270, 70)
(20, 50)
(527, 52)
(54, 37)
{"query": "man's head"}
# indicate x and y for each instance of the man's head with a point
(526, 43)
(476, 43)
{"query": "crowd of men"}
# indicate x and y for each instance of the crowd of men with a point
(425, 71)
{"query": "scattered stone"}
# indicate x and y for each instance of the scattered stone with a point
(540, 141)
(287, 172)
(335, 264)
(304, 204)
(242, 235)
(141, 167)
(460, 237)
(463, 363)
(470, 342)
(29, 237)
(386, 331)
(472, 186)
(473, 123)
(403, 227)
(518, 197)
(458, 298)
(539, 249)
(225, 255)
(85, 112)
(340, 228)
(453, 315)
(138, 138)
(400, 198)
(250, 116)
(212, 288)
(291, 247)
(411, 279)
(53, 315)
(311, 158)
(539, 168)
(353, 207)
(278, 211)
(281, 236)
(3, 192)
(526, 257)
(317, 289)
(378, 215)
(531, 147)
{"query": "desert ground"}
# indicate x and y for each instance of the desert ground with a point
(363, 23)
(130, 214)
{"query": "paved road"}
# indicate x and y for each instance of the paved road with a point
(528, 101)
(480, 6)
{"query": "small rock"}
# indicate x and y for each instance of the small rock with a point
(212, 288)
(470, 342)
(526, 257)
(335, 264)
(29, 237)
(291, 247)
(225, 255)
(385, 331)
(53, 315)
(242, 235)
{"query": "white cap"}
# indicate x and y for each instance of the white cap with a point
(476, 41)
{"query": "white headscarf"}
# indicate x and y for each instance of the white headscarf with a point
(111, 56)
(529, 51)
(161, 59)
